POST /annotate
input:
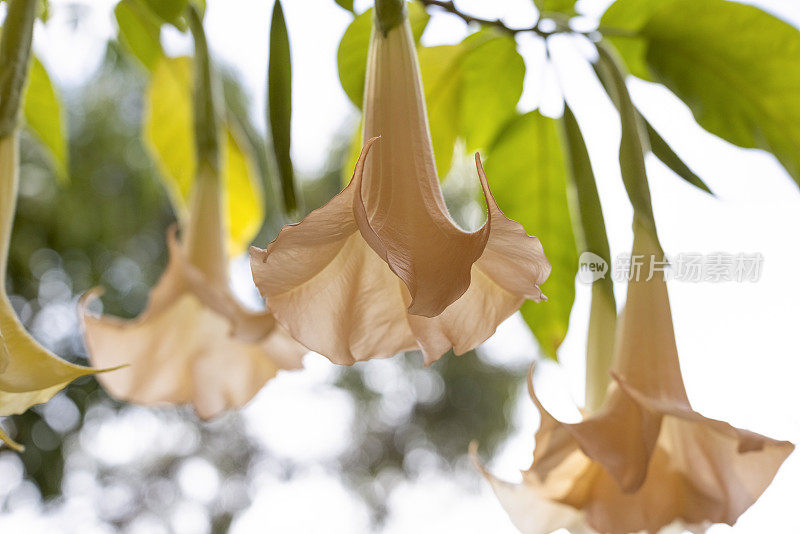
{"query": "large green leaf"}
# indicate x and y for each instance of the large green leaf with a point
(169, 134)
(352, 53)
(628, 17)
(139, 31)
(527, 173)
(45, 116)
(471, 89)
(737, 68)
(279, 99)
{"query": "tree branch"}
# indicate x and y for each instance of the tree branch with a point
(449, 7)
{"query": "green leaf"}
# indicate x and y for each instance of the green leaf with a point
(139, 31)
(736, 67)
(352, 53)
(664, 152)
(279, 100)
(633, 141)
(527, 173)
(471, 89)
(45, 116)
(564, 7)
(603, 312)
(169, 136)
(169, 11)
(346, 4)
(629, 16)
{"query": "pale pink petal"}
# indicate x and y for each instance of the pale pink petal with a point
(510, 270)
(182, 350)
(330, 290)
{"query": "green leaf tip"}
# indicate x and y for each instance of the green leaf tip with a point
(279, 104)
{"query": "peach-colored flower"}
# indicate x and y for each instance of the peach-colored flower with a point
(194, 343)
(382, 268)
(29, 373)
(646, 459)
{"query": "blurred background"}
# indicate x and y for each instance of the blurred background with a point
(381, 446)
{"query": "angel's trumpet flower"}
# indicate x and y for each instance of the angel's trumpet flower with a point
(194, 343)
(645, 459)
(382, 268)
(29, 373)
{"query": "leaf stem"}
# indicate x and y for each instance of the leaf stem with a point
(562, 26)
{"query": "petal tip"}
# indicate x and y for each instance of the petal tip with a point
(87, 298)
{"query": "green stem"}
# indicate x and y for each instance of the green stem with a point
(206, 127)
(204, 238)
(15, 51)
(389, 14)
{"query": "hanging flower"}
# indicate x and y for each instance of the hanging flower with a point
(29, 373)
(194, 343)
(646, 459)
(382, 268)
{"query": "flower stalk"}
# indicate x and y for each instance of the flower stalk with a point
(204, 235)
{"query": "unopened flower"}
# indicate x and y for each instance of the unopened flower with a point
(382, 268)
(29, 373)
(646, 459)
(194, 343)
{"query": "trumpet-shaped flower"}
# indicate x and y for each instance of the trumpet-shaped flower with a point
(29, 373)
(382, 268)
(194, 343)
(646, 459)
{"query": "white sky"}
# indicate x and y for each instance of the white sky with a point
(738, 341)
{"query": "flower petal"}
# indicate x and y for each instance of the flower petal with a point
(621, 438)
(184, 354)
(399, 206)
(246, 325)
(181, 349)
(528, 507)
(510, 270)
(329, 288)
